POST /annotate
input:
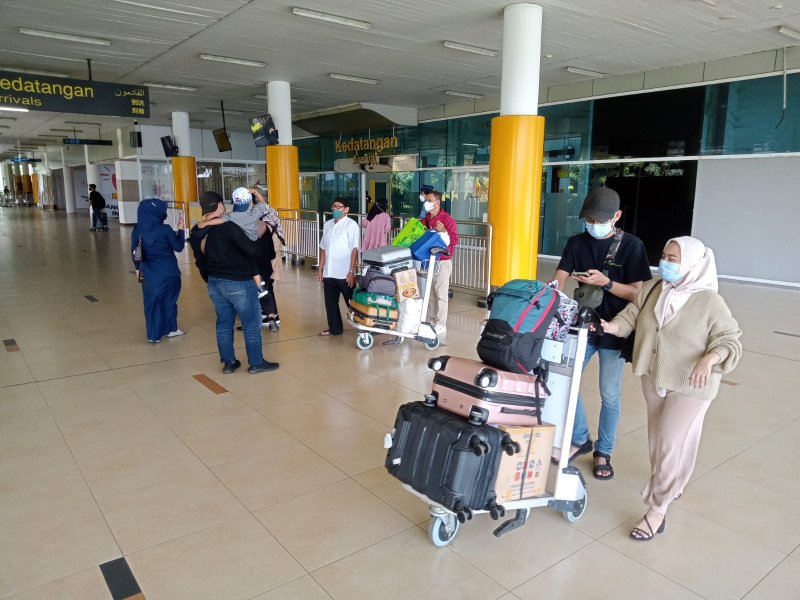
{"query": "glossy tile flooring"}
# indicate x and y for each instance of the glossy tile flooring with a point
(274, 488)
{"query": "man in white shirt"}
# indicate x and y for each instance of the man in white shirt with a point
(337, 263)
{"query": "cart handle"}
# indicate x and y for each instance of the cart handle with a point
(436, 250)
(587, 316)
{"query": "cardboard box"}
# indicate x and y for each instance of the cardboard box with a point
(407, 286)
(524, 475)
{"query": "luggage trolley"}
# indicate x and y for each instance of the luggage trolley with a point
(569, 494)
(424, 332)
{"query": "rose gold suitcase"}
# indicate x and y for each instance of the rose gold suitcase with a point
(484, 394)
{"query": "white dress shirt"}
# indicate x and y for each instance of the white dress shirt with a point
(338, 240)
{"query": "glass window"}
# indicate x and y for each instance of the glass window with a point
(209, 178)
(564, 188)
(468, 141)
(347, 186)
(327, 191)
(234, 175)
(404, 200)
(657, 124)
(257, 174)
(746, 117)
(433, 144)
(440, 180)
(309, 154)
(309, 192)
(567, 131)
(468, 195)
(157, 180)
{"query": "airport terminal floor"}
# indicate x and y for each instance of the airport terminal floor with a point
(272, 486)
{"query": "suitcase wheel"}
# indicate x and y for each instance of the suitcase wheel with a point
(481, 448)
(437, 364)
(431, 399)
(486, 378)
(497, 512)
(512, 448)
(442, 530)
(464, 515)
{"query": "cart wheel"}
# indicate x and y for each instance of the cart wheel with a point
(433, 346)
(364, 341)
(573, 516)
(438, 530)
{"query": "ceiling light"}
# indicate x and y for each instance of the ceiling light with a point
(64, 36)
(33, 72)
(13, 109)
(82, 123)
(172, 10)
(468, 144)
(355, 79)
(265, 97)
(463, 94)
(234, 61)
(710, 2)
(473, 49)
(227, 112)
(67, 130)
(579, 71)
(789, 32)
(4, 127)
(312, 14)
(8, 119)
(169, 86)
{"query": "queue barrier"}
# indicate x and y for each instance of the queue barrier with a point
(301, 231)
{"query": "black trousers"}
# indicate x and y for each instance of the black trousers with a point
(334, 287)
(268, 304)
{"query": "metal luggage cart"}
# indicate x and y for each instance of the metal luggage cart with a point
(424, 332)
(569, 492)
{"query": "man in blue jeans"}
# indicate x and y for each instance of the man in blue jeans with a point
(225, 257)
(615, 266)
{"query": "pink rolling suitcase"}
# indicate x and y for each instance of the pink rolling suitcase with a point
(484, 394)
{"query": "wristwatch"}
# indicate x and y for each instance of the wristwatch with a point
(607, 287)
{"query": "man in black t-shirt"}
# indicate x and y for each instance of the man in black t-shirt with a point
(626, 269)
(97, 204)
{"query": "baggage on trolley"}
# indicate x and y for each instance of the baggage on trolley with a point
(380, 317)
(450, 460)
(387, 259)
(476, 391)
(568, 495)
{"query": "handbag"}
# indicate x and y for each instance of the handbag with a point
(591, 296)
(627, 350)
(137, 253)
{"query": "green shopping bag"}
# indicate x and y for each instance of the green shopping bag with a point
(409, 234)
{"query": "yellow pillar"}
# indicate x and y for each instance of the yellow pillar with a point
(27, 187)
(283, 176)
(515, 194)
(184, 182)
(35, 188)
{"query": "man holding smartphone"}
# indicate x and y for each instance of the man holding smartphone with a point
(610, 267)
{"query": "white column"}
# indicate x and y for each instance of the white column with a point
(522, 50)
(181, 133)
(69, 189)
(279, 95)
(120, 146)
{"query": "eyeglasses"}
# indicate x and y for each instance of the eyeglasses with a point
(338, 207)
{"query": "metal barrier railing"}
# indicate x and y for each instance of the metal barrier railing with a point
(301, 231)
(360, 218)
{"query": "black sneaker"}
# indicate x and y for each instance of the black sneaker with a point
(264, 367)
(273, 325)
(230, 367)
(262, 291)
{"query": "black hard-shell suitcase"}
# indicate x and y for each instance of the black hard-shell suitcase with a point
(446, 458)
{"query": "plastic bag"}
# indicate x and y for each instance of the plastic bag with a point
(409, 234)
(410, 315)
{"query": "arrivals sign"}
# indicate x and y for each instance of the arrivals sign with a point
(377, 144)
(59, 94)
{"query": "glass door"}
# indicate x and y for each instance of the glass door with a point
(468, 194)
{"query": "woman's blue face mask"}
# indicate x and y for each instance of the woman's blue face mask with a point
(669, 271)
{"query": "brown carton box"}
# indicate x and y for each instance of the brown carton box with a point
(407, 286)
(524, 475)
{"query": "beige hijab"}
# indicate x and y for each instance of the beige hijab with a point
(699, 272)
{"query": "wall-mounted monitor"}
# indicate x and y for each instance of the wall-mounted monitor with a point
(264, 132)
(170, 149)
(222, 139)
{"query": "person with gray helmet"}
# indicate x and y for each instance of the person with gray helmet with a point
(610, 267)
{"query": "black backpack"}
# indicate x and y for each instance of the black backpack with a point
(521, 313)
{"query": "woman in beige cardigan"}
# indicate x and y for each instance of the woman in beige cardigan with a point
(686, 339)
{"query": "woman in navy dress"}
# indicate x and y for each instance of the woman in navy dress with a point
(158, 271)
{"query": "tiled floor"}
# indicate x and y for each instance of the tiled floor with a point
(273, 487)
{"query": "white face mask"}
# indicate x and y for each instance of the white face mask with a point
(428, 206)
(422, 197)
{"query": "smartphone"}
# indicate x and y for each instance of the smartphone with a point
(580, 274)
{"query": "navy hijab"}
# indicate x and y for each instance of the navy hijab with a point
(151, 214)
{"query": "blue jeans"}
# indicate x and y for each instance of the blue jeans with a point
(231, 298)
(101, 216)
(611, 366)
